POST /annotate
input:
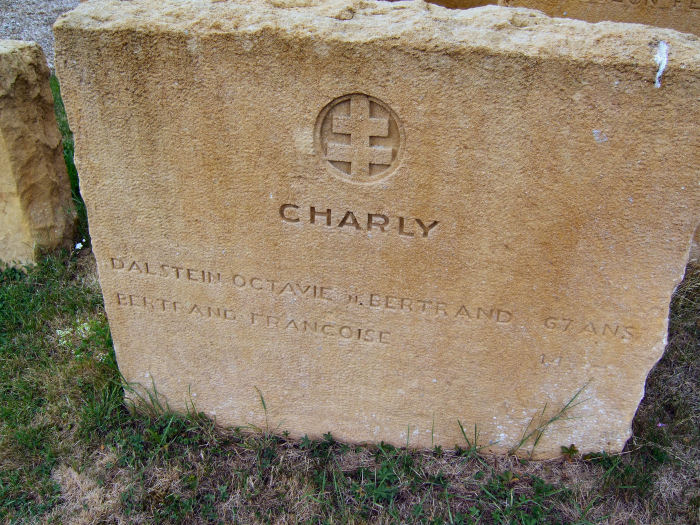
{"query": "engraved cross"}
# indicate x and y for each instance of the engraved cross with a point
(360, 126)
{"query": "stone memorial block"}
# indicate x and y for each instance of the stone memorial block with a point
(386, 218)
(36, 210)
(682, 15)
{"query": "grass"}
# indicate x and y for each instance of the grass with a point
(535, 430)
(71, 452)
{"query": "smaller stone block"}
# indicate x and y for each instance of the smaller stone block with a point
(36, 209)
(681, 15)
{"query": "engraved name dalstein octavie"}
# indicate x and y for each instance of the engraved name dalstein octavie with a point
(359, 138)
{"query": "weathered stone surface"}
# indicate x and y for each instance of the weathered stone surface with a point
(36, 210)
(385, 218)
(682, 15)
(463, 4)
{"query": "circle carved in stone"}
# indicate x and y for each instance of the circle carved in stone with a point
(359, 138)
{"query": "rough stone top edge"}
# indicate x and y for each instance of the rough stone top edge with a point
(19, 58)
(8, 46)
(413, 24)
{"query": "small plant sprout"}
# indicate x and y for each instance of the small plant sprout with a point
(534, 431)
(264, 405)
(570, 452)
(63, 336)
(473, 447)
(83, 330)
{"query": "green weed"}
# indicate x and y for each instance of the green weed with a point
(68, 153)
(536, 428)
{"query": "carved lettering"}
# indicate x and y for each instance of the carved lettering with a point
(287, 291)
(426, 229)
(289, 217)
(132, 267)
(550, 361)
(349, 220)
(380, 222)
(372, 221)
(327, 329)
(590, 328)
(267, 321)
(169, 305)
(402, 228)
(313, 213)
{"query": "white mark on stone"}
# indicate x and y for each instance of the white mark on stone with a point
(304, 141)
(599, 136)
(321, 49)
(661, 59)
(193, 46)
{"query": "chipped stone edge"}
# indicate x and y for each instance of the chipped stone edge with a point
(414, 24)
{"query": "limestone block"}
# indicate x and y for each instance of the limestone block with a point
(386, 218)
(36, 210)
(682, 15)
